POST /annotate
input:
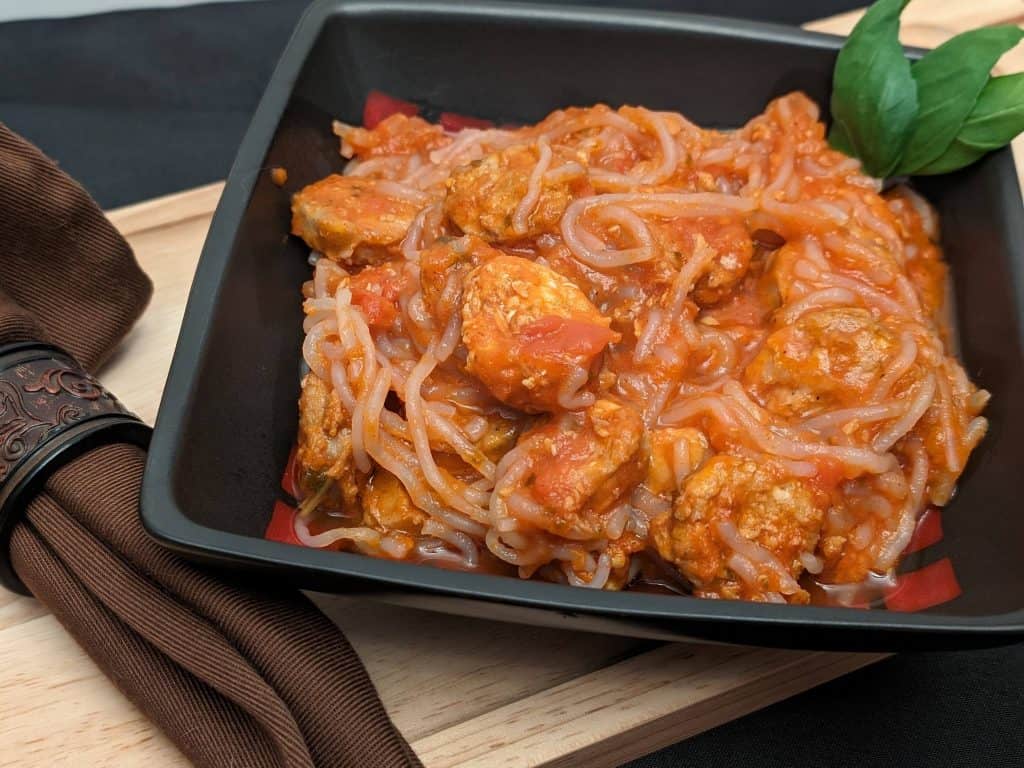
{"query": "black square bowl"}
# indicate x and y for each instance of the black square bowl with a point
(228, 416)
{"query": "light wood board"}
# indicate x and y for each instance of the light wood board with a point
(466, 693)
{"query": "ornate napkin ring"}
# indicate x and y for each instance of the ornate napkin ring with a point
(51, 411)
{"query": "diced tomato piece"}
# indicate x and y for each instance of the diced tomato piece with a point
(554, 334)
(932, 585)
(830, 473)
(451, 121)
(290, 478)
(927, 532)
(378, 311)
(379, 106)
(554, 480)
(282, 525)
(375, 291)
(746, 307)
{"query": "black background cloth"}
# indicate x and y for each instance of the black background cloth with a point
(143, 103)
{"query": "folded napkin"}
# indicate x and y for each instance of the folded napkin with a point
(235, 676)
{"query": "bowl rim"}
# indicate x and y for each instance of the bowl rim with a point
(163, 518)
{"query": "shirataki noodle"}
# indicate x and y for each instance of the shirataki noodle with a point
(613, 341)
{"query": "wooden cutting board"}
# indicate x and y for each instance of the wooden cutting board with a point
(466, 693)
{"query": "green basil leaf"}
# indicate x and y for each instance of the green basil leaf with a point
(839, 140)
(949, 81)
(998, 116)
(956, 156)
(874, 96)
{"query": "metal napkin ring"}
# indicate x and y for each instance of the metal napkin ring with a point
(51, 411)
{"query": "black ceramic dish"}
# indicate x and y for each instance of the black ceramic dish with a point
(228, 415)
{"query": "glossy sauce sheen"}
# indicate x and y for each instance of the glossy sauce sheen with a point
(613, 348)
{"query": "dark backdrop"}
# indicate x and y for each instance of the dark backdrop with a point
(140, 104)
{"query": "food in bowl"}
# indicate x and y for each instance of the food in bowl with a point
(613, 349)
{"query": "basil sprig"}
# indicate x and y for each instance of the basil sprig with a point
(874, 97)
(938, 114)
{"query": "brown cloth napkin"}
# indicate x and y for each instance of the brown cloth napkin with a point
(235, 676)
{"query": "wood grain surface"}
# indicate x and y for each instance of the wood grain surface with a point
(465, 692)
